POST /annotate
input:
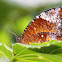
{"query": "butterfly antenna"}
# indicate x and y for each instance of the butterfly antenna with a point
(12, 33)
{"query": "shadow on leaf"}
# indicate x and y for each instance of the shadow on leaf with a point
(47, 50)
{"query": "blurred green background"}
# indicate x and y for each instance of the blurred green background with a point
(16, 16)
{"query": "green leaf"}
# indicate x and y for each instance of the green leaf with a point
(44, 44)
(24, 54)
(37, 45)
(58, 51)
(6, 50)
(50, 52)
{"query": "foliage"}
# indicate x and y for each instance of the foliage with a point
(6, 50)
(16, 19)
(23, 53)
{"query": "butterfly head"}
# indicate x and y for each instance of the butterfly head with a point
(19, 40)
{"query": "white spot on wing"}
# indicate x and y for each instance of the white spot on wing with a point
(59, 24)
(32, 20)
(39, 41)
(42, 35)
(34, 28)
(37, 17)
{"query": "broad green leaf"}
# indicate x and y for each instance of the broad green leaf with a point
(6, 50)
(24, 54)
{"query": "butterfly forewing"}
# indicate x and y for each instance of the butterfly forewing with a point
(45, 27)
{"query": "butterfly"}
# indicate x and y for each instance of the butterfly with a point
(45, 27)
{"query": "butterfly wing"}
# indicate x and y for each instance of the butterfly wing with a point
(41, 37)
(47, 22)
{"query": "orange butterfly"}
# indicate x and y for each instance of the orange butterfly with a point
(45, 27)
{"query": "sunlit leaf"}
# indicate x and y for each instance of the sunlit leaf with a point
(6, 50)
(24, 54)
